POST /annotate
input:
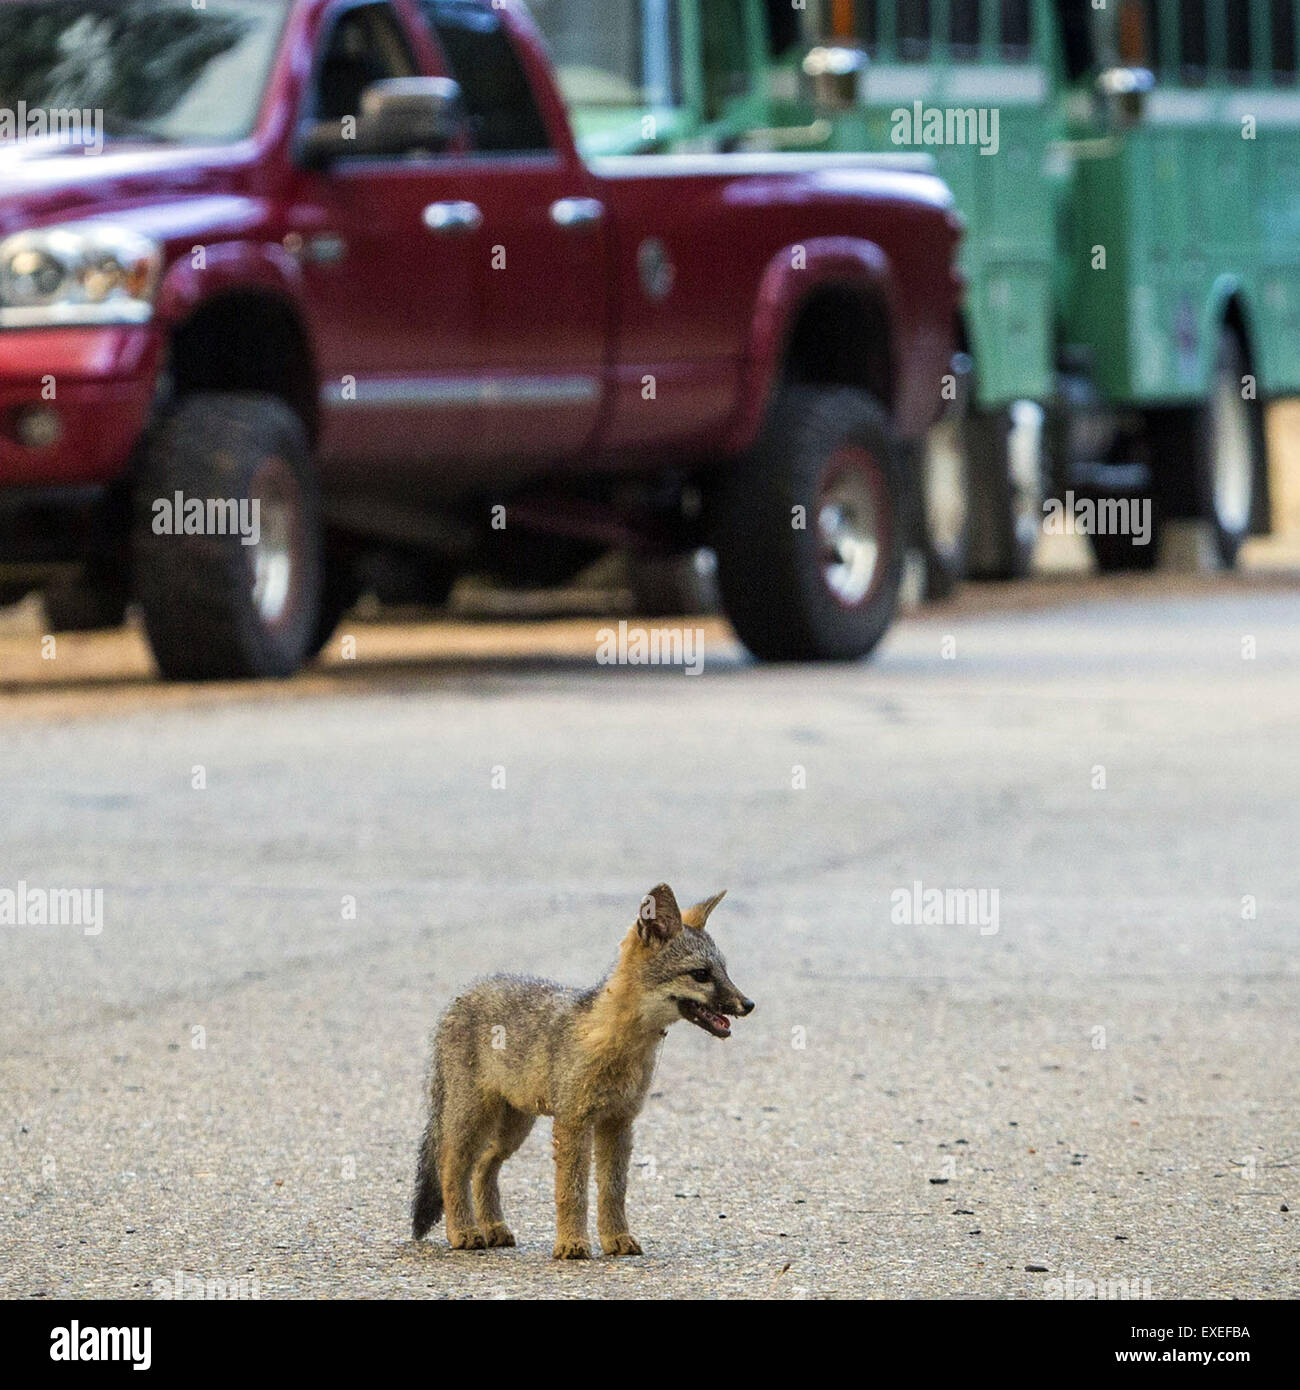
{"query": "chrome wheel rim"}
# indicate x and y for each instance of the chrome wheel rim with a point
(272, 560)
(852, 526)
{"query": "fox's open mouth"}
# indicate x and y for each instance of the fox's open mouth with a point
(717, 1024)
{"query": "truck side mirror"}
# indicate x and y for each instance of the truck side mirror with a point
(832, 74)
(400, 115)
(1123, 92)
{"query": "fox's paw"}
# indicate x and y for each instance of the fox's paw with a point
(621, 1244)
(571, 1250)
(471, 1239)
(498, 1233)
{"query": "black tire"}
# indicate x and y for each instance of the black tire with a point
(407, 578)
(1187, 465)
(674, 585)
(1230, 492)
(214, 608)
(1120, 551)
(341, 590)
(944, 504)
(1120, 554)
(535, 560)
(1006, 509)
(797, 592)
(85, 605)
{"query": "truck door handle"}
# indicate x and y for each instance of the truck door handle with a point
(453, 219)
(577, 212)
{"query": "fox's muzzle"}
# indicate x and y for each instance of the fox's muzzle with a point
(735, 1004)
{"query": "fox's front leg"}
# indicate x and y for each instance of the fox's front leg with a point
(572, 1141)
(613, 1155)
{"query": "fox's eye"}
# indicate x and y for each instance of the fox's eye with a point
(701, 977)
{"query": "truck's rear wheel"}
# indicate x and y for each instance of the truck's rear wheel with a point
(1127, 520)
(1231, 452)
(214, 607)
(1210, 460)
(1005, 463)
(945, 483)
(810, 532)
(671, 585)
(90, 603)
(1125, 552)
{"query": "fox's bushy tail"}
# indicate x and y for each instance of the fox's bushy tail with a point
(426, 1206)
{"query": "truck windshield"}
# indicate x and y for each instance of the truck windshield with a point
(612, 52)
(166, 70)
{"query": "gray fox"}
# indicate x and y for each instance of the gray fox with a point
(512, 1048)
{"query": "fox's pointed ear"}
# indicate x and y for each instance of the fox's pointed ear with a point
(699, 914)
(659, 918)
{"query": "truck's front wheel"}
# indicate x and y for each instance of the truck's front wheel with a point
(228, 540)
(810, 531)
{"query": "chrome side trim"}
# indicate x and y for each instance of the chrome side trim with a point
(749, 163)
(434, 392)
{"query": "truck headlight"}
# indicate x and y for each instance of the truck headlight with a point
(92, 273)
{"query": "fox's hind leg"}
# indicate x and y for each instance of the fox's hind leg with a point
(510, 1129)
(466, 1129)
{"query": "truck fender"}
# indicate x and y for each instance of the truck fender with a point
(226, 268)
(789, 281)
(1227, 302)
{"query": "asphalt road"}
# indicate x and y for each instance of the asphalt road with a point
(227, 1080)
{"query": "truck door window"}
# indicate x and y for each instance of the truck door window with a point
(1078, 37)
(1284, 41)
(913, 31)
(1015, 31)
(784, 27)
(611, 53)
(866, 23)
(1194, 54)
(366, 45)
(1238, 49)
(726, 76)
(964, 30)
(501, 111)
(1154, 51)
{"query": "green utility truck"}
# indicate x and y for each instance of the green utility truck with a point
(1130, 179)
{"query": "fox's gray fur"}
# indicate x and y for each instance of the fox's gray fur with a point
(512, 1049)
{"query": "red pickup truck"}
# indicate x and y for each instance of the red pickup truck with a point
(295, 293)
